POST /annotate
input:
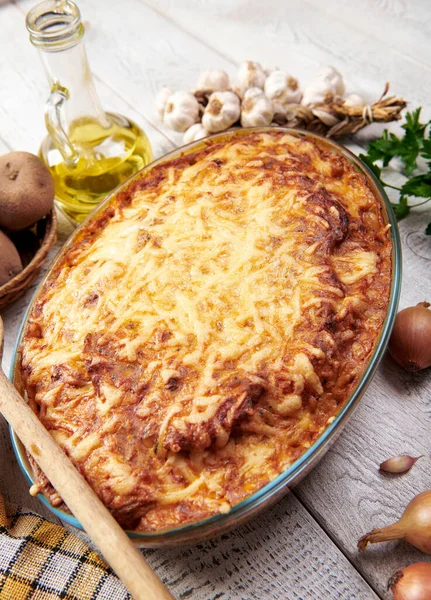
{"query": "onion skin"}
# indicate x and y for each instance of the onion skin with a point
(399, 464)
(412, 582)
(414, 526)
(409, 344)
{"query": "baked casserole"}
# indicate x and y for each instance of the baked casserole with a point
(205, 328)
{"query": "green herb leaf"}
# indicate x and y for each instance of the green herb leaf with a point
(428, 229)
(419, 186)
(408, 151)
(413, 124)
(368, 161)
(401, 209)
(426, 148)
(384, 149)
(408, 148)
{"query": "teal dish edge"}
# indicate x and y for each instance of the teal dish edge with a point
(275, 489)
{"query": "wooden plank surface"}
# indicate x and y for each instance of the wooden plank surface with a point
(281, 555)
(406, 29)
(296, 549)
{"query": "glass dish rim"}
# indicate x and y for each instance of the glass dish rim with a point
(293, 472)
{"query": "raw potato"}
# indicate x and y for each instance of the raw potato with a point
(26, 190)
(10, 262)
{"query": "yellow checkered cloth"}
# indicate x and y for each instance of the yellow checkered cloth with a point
(43, 561)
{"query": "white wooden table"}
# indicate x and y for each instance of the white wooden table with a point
(305, 547)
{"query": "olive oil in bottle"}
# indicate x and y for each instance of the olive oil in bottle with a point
(88, 151)
(106, 157)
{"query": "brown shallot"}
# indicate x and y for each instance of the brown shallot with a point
(414, 526)
(412, 582)
(410, 344)
(399, 464)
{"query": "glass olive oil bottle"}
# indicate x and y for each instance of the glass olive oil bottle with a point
(88, 151)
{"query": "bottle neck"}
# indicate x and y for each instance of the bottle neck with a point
(68, 70)
(56, 29)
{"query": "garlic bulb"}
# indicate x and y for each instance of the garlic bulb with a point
(354, 100)
(181, 111)
(317, 92)
(253, 92)
(334, 79)
(251, 74)
(161, 100)
(282, 87)
(214, 80)
(194, 133)
(222, 111)
(327, 84)
(256, 109)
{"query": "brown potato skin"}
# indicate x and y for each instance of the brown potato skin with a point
(10, 261)
(26, 190)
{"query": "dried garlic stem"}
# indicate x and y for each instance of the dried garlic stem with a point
(350, 118)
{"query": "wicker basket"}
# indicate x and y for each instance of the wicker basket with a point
(33, 245)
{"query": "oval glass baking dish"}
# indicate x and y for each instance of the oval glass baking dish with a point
(272, 491)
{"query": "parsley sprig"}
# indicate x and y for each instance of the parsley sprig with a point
(415, 143)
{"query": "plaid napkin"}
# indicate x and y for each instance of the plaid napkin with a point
(43, 561)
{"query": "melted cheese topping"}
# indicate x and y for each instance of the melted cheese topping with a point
(202, 330)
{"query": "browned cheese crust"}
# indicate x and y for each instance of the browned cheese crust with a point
(204, 329)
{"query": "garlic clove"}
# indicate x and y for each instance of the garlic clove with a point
(251, 74)
(399, 464)
(215, 80)
(256, 109)
(354, 100)
(222, 111)
(282, 87)
(161, 100)
(194, 133)
(326, 117)
(181, 111)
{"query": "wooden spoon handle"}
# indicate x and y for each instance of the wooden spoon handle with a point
(100, 525)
